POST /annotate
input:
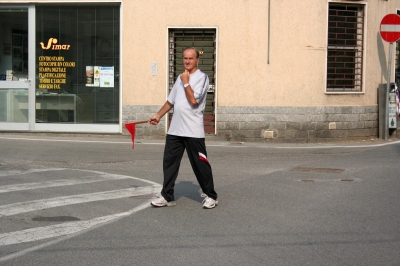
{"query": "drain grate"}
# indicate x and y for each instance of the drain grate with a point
(55, 219)
(317, 170)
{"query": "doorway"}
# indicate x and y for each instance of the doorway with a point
(205, 41)
(14, 75)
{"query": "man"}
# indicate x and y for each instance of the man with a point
(188, 98)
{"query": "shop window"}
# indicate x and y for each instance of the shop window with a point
(13, 64)
(14, 44)
(345, 48)
(77, 63)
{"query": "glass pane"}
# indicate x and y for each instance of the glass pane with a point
(13, 44)
(14, 105)
(78, 64)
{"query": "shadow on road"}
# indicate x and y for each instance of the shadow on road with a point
(188, 190)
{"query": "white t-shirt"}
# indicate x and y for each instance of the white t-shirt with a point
(187, 121)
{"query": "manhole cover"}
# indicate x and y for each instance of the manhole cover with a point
(317, 170)
(55, 219)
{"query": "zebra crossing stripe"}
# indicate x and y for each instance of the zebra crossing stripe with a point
(59, 232)
(64, 230)
(60, 183)
(19, 172)
(28, 206)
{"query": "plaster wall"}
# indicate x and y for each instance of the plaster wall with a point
(295, 75)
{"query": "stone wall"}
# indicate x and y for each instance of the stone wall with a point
(297, 124)
(283, 124)
(137, 113)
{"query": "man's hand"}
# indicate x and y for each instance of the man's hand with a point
(155, 119)
(185, 77)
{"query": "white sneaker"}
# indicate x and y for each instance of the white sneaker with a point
(161, 202)
(209, 203)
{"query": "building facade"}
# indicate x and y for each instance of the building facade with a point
(279, 70)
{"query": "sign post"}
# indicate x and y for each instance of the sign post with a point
(390, 32)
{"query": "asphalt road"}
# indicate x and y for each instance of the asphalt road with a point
(85, 201)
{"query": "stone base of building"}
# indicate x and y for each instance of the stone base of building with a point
(274, 124)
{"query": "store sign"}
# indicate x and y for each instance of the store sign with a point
(52, 45)
(53, 69)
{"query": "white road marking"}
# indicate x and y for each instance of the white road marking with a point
(339, 146)
(59, 183)
(23, 207)
(225, 144)
(20, 172)
(40, 233)
(71, 140)
(68, 230)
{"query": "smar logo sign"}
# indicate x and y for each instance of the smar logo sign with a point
(52, 45)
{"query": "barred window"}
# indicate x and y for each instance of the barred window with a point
(345, 48)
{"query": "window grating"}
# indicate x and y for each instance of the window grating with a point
(345, 48)
(205, 41)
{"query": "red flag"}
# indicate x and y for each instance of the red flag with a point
(131, 127)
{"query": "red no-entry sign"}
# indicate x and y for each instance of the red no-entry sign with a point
(390, 28)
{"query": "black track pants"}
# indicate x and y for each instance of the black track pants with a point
(196, 150)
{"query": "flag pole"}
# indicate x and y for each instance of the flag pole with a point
(140, 122)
